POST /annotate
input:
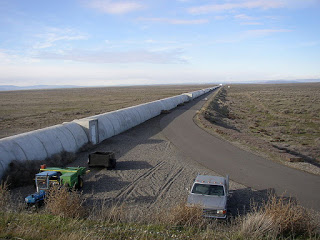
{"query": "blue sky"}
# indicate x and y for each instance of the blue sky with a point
(108, 42)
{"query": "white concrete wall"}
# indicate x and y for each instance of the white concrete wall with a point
(70, 137)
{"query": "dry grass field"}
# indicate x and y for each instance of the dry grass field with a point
(281, 120)
(23, 111)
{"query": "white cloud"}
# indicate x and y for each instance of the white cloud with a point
(220, 17)
(247, 20)
(250, 34)
(251, 23)
(134, 56)
(176, 21)
(244, 17)
(115, 7)
(257, 4)
(265, 32)
(53, 35)
(7, 57)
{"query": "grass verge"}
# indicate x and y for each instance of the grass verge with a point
(63, 218)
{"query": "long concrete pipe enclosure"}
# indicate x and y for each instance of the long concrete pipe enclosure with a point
(71, 136)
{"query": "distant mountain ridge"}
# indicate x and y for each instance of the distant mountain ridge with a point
(37, 87)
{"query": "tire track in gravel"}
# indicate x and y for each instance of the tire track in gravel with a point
(127, 191)
(167, 185)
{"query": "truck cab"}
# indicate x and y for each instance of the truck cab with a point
(210, 193)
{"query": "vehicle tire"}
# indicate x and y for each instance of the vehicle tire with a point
(79, 185)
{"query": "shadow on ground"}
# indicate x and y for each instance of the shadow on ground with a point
(242, 201)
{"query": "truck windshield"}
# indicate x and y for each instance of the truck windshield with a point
(42, 182)
(207, 189)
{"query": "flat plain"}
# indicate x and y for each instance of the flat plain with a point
(23, 111)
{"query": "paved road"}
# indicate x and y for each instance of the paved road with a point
(243, 167)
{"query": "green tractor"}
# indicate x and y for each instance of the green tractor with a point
(69, 177)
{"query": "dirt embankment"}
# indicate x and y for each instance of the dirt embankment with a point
(270, 120)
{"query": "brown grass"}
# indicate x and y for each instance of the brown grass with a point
(279, 217)
(184, 216)
(61, 201)
(257, 225)
(109, 213)
(4, 195)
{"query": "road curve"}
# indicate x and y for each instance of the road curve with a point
(242, 167)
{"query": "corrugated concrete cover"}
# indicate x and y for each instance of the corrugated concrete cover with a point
(155, 108)
(40, 144)
(144, 112)
(171, 102)
(105, 126)
(78, 134)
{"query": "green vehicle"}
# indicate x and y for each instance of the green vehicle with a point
(69, 176)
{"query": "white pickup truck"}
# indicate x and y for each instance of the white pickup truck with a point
(210, 193)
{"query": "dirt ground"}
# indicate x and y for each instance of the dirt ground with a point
(151, 174)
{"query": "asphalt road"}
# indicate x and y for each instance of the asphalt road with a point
(242, 167)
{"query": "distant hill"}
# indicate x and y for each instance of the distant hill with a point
(15, 88)
(288, 81)
(275, 81)
(34, 87)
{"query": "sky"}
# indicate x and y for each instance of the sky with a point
(136, 42)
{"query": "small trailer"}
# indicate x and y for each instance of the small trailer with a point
(102, 159)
